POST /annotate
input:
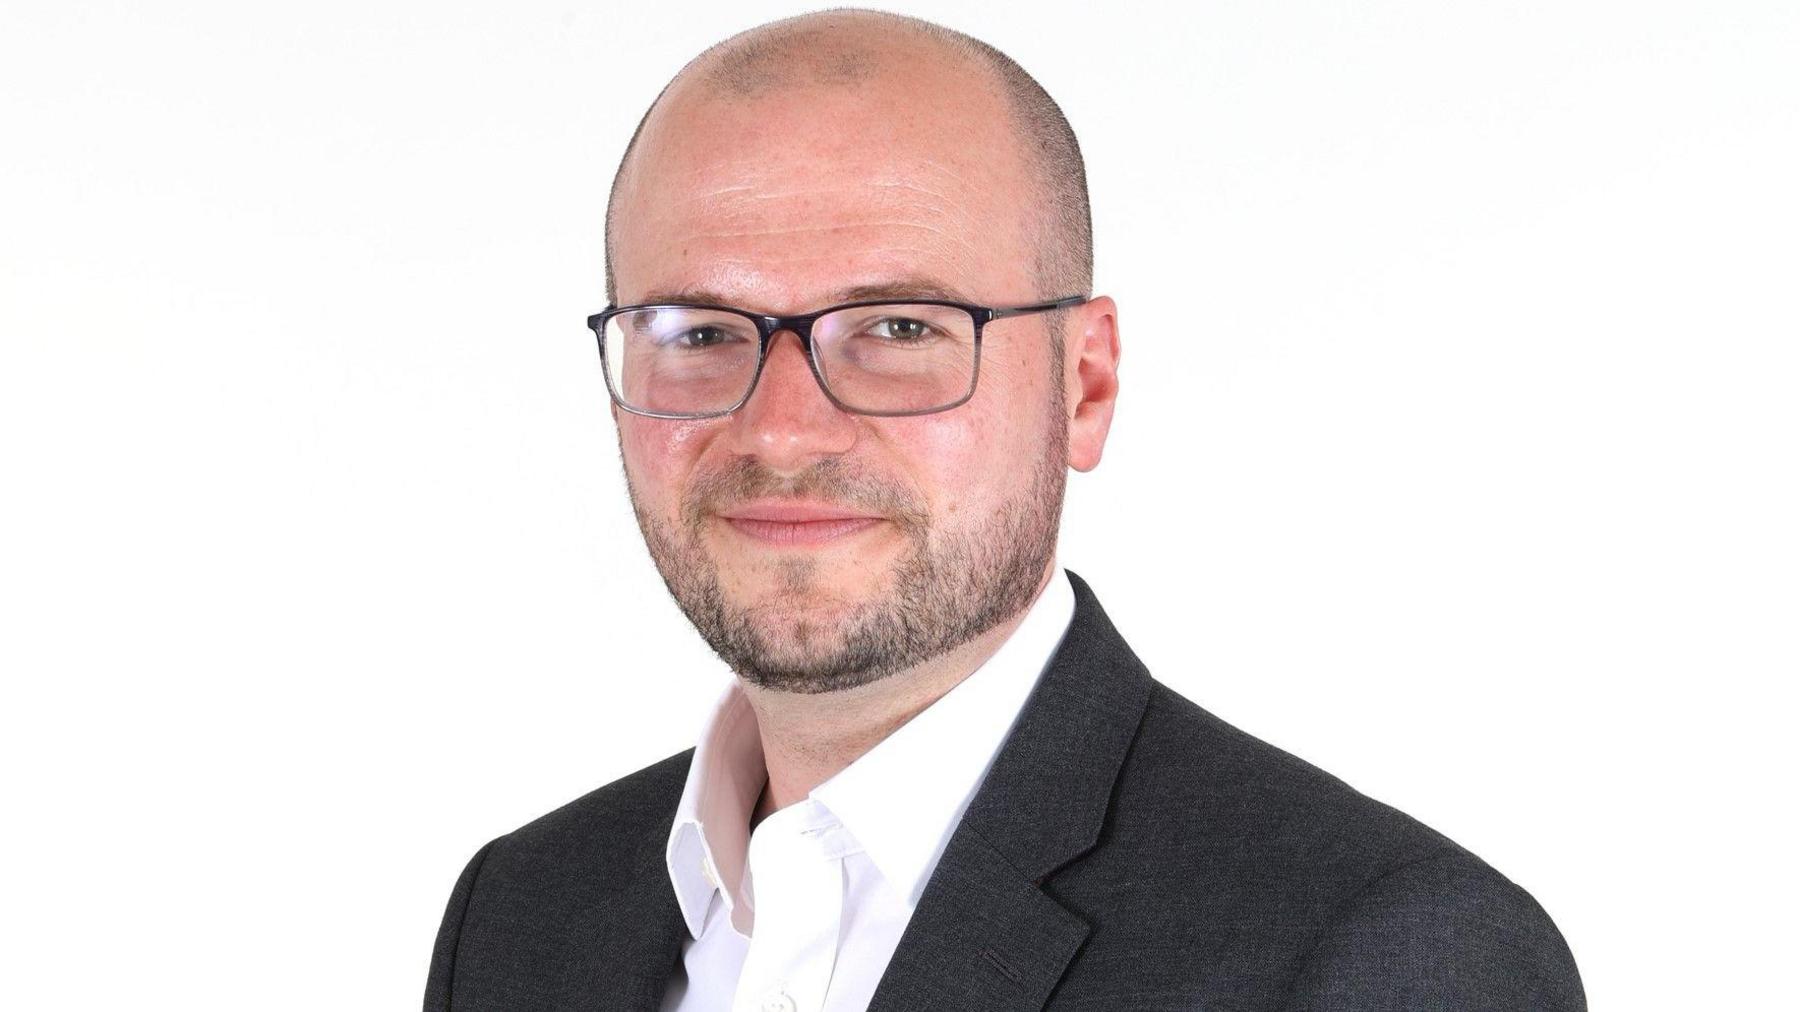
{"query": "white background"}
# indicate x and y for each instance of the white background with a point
(1456, 453)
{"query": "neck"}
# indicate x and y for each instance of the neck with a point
(808, 737)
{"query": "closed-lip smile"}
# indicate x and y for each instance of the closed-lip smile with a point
(797, 521)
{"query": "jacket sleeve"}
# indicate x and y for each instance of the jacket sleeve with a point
(1445, 932)
(443, 954)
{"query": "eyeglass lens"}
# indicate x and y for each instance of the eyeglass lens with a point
(890, 358)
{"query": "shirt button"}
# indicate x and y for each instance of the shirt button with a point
(780, 1001)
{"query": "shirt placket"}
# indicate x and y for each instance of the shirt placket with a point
(797, 875)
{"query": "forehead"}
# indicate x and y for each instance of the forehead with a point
(784, 195)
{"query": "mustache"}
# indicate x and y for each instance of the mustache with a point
(831, 479)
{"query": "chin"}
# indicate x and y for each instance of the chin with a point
(791, 619)
(813, 588)
(803, 651)
(798, 624)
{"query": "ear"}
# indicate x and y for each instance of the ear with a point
(1091, 378)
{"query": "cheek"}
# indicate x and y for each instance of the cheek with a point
(969, 460)
(659, 455)
(943, 451)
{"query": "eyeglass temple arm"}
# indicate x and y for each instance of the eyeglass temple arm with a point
(1042, 307)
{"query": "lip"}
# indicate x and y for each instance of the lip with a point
(794, 511)
(797, 522)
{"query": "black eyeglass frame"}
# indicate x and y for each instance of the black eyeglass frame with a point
(768, 326)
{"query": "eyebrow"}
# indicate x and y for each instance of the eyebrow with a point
(907, 287)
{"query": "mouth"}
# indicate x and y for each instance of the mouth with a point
(796, 523)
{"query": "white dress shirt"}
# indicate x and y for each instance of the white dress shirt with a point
(804, 915)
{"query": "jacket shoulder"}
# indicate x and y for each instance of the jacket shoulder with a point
(597, 837)
(507, 927)
(1260, 800)
(1445, 931)
(636, 799)
(1282, 881)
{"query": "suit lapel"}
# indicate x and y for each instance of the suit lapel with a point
(985, 935)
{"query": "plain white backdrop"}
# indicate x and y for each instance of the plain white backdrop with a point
(1456, 453)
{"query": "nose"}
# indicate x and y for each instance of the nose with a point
(788, 423)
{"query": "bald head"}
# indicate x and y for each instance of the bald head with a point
(853, 50)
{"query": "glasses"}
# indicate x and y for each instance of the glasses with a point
(911, 357)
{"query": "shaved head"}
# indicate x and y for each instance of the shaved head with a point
(850, 49)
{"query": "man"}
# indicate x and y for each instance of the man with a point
(851, 353)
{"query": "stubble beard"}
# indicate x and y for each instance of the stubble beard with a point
(948, 586)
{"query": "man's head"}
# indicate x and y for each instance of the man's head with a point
(812, 161)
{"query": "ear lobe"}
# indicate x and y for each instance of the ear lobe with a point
(1091, 380)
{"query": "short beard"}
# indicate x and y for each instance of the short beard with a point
(947, 589)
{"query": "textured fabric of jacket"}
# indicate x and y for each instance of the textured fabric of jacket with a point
(1127, 851)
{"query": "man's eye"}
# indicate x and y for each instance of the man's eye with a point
(900, 329)
(699, 337)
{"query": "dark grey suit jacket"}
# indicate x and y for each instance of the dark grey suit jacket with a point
(1127, 851)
